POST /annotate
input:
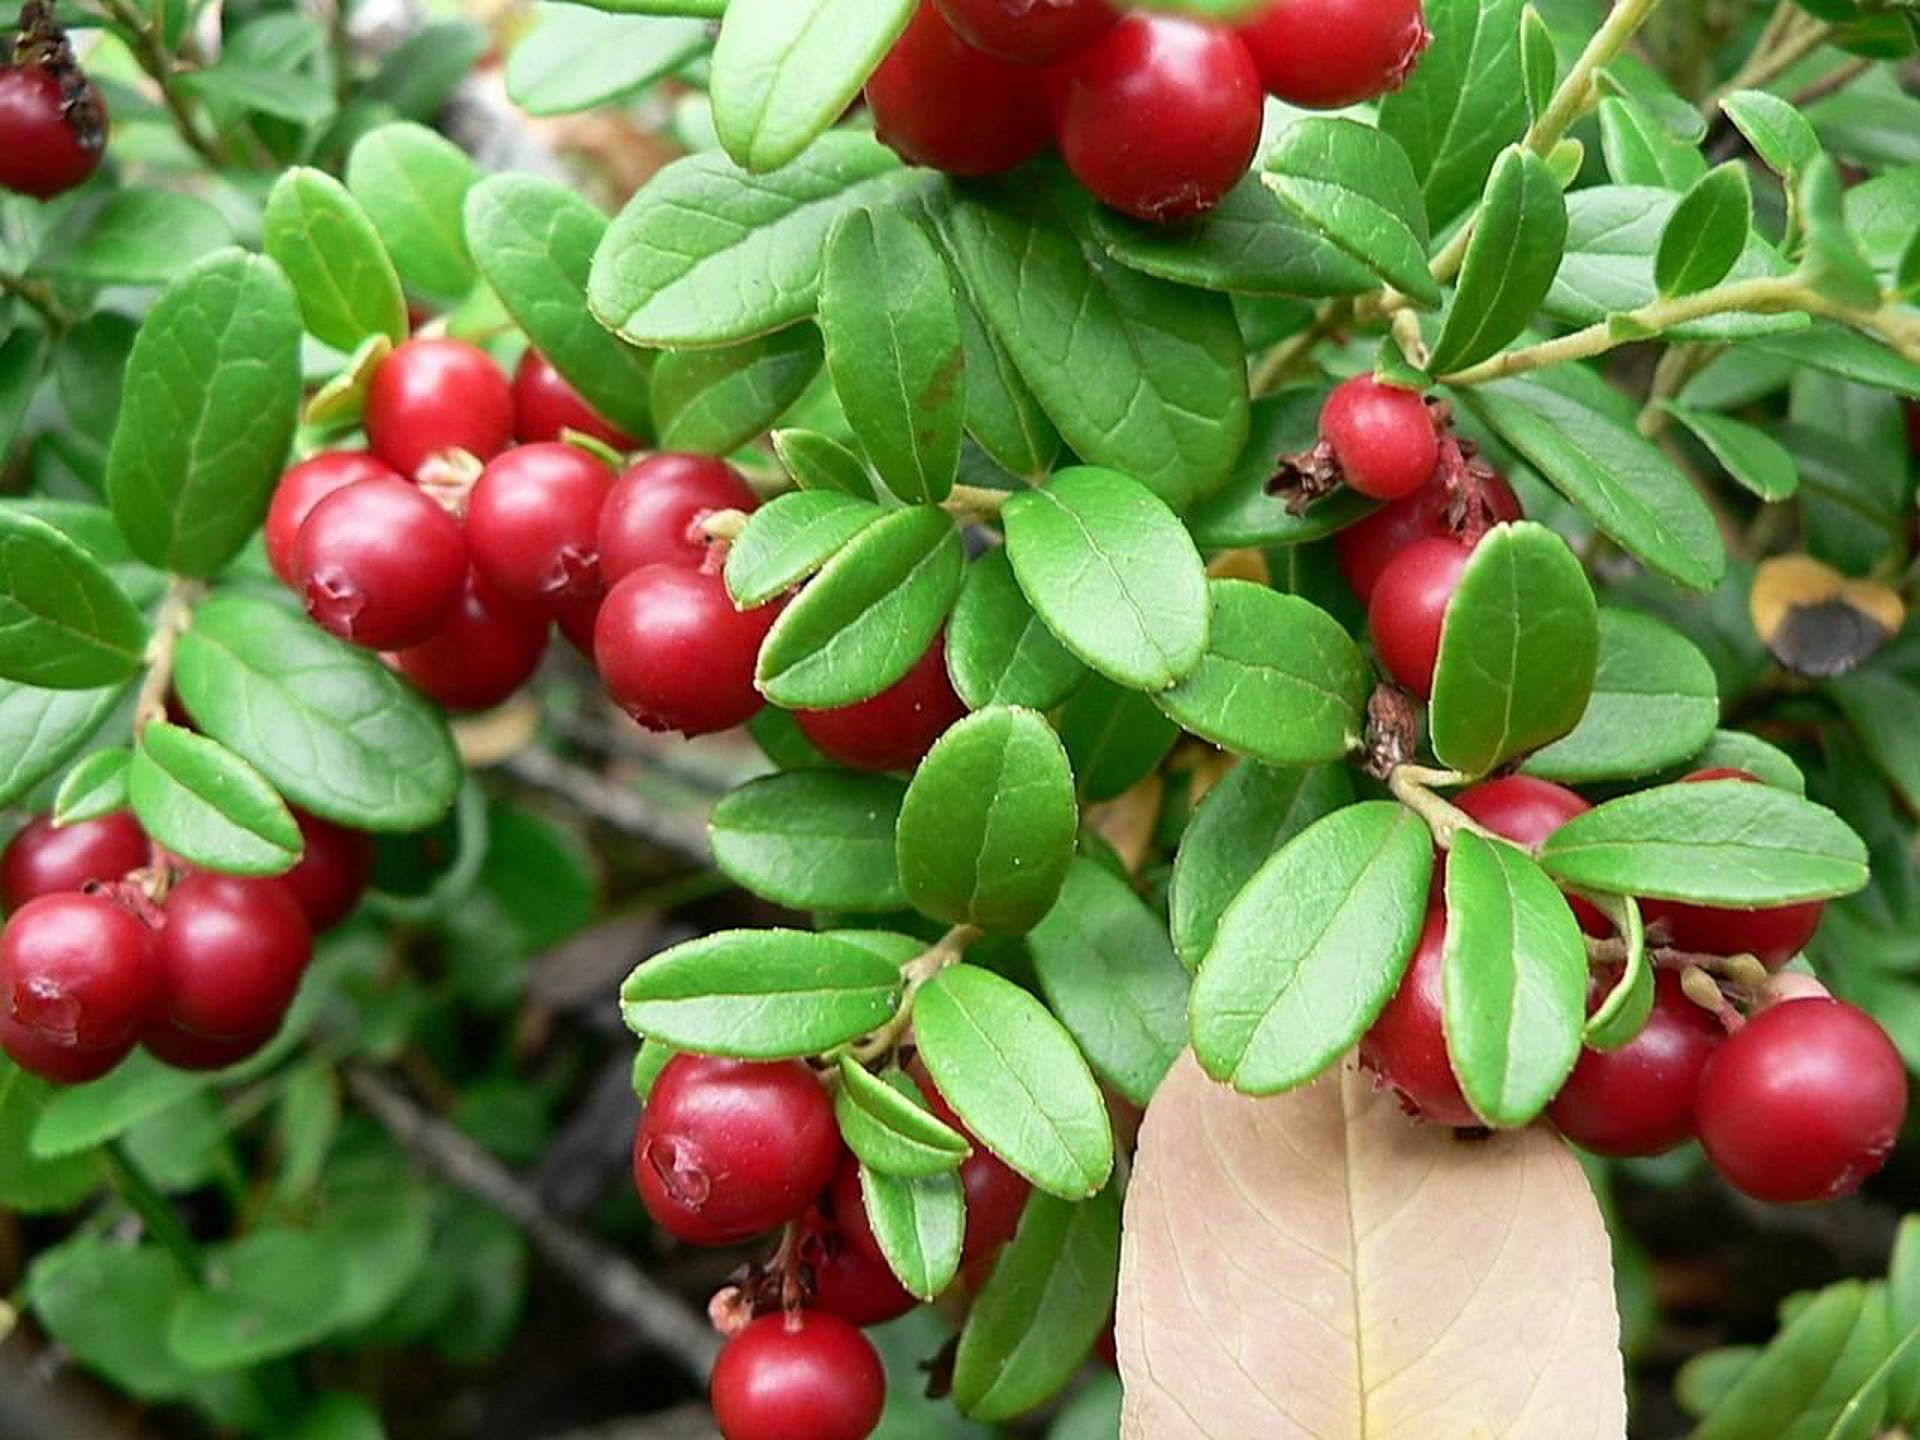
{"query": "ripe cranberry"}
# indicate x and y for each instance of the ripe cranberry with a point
(1161, 116)
(654, 511)
(576, 620)
(897, 727)
(305, 486)
(545, 405)
(1773, 936)
(1407, 1046)
(851, 1277)
(77, 981)
(938, 101)
(333, 871)
(1638, 1100)
(1383, 437)
(1325, 54)
(1028, 32)
(171, 1045)
(799, 1376)
(1408, 607)
(485, 652)
(50, 141)
(431, 396)
(533, 523)
(45, 859)
(1803, 1102)
(675, 654)
(1526, 811)
(232, 950)
(728, 1149)
(381, 564)
(996, 1194)
(1369, 545)
(1913, 426)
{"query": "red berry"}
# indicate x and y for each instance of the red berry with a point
(1369, 545)
(896, 728)
(576, 620)
(232, 951)
(1638, 1100)
(653, 513)
(728, 1149)
(938, 101)
(533, 523)
(432, 396)
(381, 564)
(1325, 54)
(1407, 1046)
(1028, 32)
(1383, 437)
(675, 654)
(1803, 1102)
(1773, 936)
(333, 871)
(1409, 606)
(302, 488)
(800, 1376)
(851, 1277)
(545, 405)
(1913, 426)
(77, 982)
(996, 1193)
(1526, 811)
(485, 652)
(1161, 116)
(49, 141)
(45, 859)
(171, 1045)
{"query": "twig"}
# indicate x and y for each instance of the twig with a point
(176, 614)
(1783, 45)
(154, 59)
(626, 812)
(38, 297)
(153, 1208)
(1832, 82)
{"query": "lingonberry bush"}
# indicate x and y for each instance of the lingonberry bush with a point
(1317, 595)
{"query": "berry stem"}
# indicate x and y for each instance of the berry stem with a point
(949, 949)
(1789, 38)
(38, 298)
(1703, 990)
(176, 614)
(154, 59)
(153, 1208)
(1738, 969)
(1412, 786)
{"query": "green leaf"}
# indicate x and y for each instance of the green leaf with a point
(760, 994)
(40, 730)
(1751, 456)
(705, 254)
(1654, 703)
(64, 624)
(419, 75)
(1114, 737)
(819, 462)
(1737, 750)
(342, 401)
(332, 728)
(1832, 263)
(919, 1224)
(1848, 354)
(1715, 842)
(1016, 1079)
(1797, 1387)
(30, 1185)
(1356, 186)
(268, 1294)
(335, 1417)
(95, 787)
(109, 1305)
(999, 652)
(1539, 66)
(1642, 151)
(1245, 817)
(79, 1117)
(322, 238)
(790, 538)
(199, 800)
(1880, 708)
(894, 349)
(413, 184)
(577, 58)
(1312, 948)
(1108, 971)
(1113, 573)
(868, 616)
(134, 237)
(988, 824)
(1517, 651)
(1624, 1012)
(1515, 980)
(1706, 233)
(712, 402)
(1280, 681)
(1517, 242)
(22, 356)
(533, 241)
(1780, 135)
(1880, 217)
(1035, 1321)
(812, 839)
(885, 1122)
(783, 72)
(212, 395)
(1138, 374)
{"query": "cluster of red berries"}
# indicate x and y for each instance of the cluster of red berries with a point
(1801, 1102)
(53, 121)
(102, 952)
(1157, 115)
(731, 1149)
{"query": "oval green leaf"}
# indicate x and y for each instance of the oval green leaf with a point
(789, 539)
(712, 402)
(413, 184)
(886, 1122)
(1706, 233)
(64, 624)
(1518, 238)
(919, 1224)
(322, 238)
(812, 840)
(199, 800)
(999, 651)
(96, 786)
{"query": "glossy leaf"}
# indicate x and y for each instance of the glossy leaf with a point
(413, 184)
(1114, 737)
(576, 57)
(1654, 703)
(64, 624)
(96, 786)
(205, 804)
(1517, 242)
(1797, 1387)
(712, 402)
(278, 1293)
(323, 240)
(885, 1121)
(1640, 150)
(1706, 233)
(1355, 185)
(812, 839)
(41, 730)
(1750, 455)
(108, 1305)
(789, 539)
(999, 652)
(1780, 135)
(919, 1223)
(1623, 1012)
(819, 462)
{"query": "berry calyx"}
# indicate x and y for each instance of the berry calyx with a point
(1382, 436)
(1638, 1100)
(850, 1275)
(938, 101)
(1409, 606)
(802, 1375)
(380, 564)
(1325, 54)
(435, 395)
(53, 127)
(895, 729)
(333, 871)
(675, 654)
(728, 1149)
(1462, 510)
(77, 981)
(1803, 1102)
(1526, 811)
(1407, 1046)
(1161, 115)
(232, 950)
(1028, 32)
(545, 406)
(484, 652)
(302, 488)
(533, 523)
(46, 859)
(653, 513)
